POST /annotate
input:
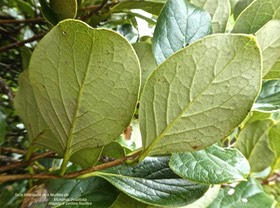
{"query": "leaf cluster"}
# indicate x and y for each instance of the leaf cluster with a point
(140, 103)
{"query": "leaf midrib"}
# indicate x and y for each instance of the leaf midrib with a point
(67, 152)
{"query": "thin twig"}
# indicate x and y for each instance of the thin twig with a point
(26, 163)
(12, 150)
(21, 43)
(95, 7)
(5, 178)
(274, 177)
(13, 21)
(95, 10)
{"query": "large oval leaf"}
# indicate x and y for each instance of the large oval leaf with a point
(213, 165)
(256, 15)
(269, 39)
(27, 109)
(219, 11)
(200, 94)
(268, 99)
(253, 142)
(85, 89)
(179, 24)
(153, 182)
(247, 194)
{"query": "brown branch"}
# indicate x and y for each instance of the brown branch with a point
(21, 43)
(5, 178)
(26, 163)
(274, 177)
(95, 9)
(12, 150)
(13, 21)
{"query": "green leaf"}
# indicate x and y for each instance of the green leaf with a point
(274, 141)
(214, 165)
(92, 192)
(152, 7)
(112, 151)
(86, 157)
(200, 94)
(125, 201)
(147, 60)
(48, 12)
(233, 4)
(153, 182)
(240, 6)
(27, 109)
(64, 9)
(24, 6)
(247, 194)
(219, 11)
(179, 24)
(86, 91)
(257, 15)
(25, 53)
(268, 99)
(269, 40)
(253, 142)
(206, 199)
(58, 10)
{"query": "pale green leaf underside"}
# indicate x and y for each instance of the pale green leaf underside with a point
(153, 182)
(85, 89)
(219, 11)
(257, 15)
(269, 40)
(179, 24)
(274, 139)
(247, 194)
(27, 109)
(147, 61)
(253, 142)
(198, 95)
(268, 99)
(214, 165)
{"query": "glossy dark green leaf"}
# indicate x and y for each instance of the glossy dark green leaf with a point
(253, 142)
(269, 97)
(85, 193)
(214, 165)
(179, 24)
(48, 12)
(153, 182)
(247, 194)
